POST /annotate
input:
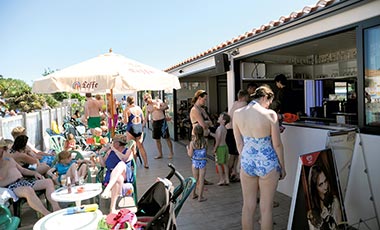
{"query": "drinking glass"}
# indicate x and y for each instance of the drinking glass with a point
(63, 180)
(81, 180)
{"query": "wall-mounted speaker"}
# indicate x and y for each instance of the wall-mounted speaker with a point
(222, 64)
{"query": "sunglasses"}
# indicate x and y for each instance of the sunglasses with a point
(122, 143)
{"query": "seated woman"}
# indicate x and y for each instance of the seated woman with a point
(24, 157)
(119, 164)
(69, 167)
(44, 157)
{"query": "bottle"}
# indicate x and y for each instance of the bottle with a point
(325, 108)
(68, 185)
(76, 178)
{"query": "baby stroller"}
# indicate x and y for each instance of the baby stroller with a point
(156, 208)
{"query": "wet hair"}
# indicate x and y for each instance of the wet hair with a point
(226, 117)
(63, 155)
(20, 143)
(131, 100)
(199, 141)
(200, 93)
(281, 78)
(263, 91)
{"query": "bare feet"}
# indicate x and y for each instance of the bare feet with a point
(201, 199)
(220, 183)
(170, 156)
(195, 196)
(157, 157)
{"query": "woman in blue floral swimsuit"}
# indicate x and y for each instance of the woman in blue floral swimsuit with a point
(258, 141)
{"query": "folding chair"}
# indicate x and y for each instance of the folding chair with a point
(7, 221)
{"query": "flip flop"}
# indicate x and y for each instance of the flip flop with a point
(195, 196)
(146, 166)
(157, 157)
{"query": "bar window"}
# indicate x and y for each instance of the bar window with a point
(372, 76)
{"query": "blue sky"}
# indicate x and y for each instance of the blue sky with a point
(39, 34)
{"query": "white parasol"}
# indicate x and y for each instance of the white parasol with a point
(105, 72)
(109, 71)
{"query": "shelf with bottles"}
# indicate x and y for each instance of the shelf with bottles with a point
(302, 72)
(337, 70)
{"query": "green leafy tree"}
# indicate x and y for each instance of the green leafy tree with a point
(19, 96)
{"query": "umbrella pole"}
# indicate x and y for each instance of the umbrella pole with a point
(112, 114)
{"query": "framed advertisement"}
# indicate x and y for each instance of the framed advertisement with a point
(317, 199)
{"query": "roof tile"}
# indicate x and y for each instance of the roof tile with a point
(273, 24)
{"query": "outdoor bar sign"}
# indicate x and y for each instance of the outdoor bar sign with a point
(89, 85)
(317, 201)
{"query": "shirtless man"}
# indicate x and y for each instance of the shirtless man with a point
(157, 109)
(91, 112)
(11, 177)
(243, 97)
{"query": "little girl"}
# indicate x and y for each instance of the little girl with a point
(70, 142)
(67, 166)
(197, 150)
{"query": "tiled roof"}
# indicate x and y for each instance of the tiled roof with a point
(322, 4)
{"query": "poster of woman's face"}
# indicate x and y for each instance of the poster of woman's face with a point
(320, 184)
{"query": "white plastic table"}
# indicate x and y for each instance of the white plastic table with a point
(90, 190)
(59, 220)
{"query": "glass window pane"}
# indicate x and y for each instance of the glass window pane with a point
(372, 75)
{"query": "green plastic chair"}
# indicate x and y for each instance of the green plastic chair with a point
(57, 143)
(7, 221)
(189, 185)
